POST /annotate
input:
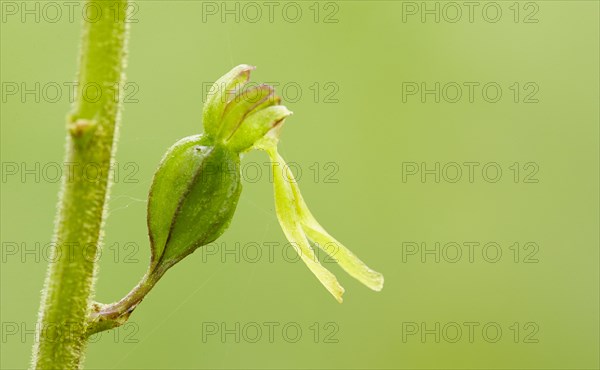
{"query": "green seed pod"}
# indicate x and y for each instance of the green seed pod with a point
(192, 199)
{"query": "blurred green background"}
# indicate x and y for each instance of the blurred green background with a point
(360, 136)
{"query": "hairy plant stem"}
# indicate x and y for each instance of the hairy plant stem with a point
(91, 142)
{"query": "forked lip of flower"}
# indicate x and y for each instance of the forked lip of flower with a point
(299, 226)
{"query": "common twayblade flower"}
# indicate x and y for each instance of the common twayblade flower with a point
(196, 188)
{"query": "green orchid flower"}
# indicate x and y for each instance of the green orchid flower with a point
(196, 188)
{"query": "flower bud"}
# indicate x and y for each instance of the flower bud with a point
(239, 115)
(192, 199)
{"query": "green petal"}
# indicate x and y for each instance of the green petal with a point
(220, 93)
(344, 257)
(242, 105)
(256, 126)
(285, 207)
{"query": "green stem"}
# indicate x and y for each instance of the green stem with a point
(109, 316)
(91, 142)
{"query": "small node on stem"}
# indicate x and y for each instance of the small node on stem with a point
(81, 129)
